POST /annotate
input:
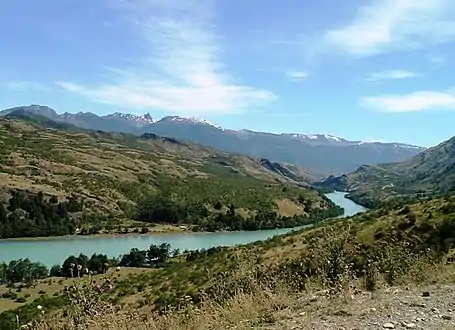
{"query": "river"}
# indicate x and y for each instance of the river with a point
(55, 250)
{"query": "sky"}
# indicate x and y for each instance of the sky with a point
(371, 70)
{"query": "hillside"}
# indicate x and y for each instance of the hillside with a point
(69, 178)
(320, 153)
(314, 276)
(430, 172)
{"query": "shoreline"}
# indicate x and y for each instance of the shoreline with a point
(150, 233)
(157, 230)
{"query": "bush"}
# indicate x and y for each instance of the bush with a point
(9, 294)
(371, 277)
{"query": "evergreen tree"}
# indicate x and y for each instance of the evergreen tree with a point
(3, 214)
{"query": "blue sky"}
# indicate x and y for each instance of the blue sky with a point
(377, 70)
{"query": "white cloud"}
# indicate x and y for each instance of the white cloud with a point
(297, 76)
(70, 86)
(391, 75)
(413, 102)
(387, 25)
(182, 71)
(25, 85)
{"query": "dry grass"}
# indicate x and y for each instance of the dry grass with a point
(264, 309)
(53, 285)
(62, 163)
(288, 208)
(243, 311)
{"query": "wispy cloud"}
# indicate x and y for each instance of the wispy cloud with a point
(387, 25)
(24, 85)
(391, 75)
(413, 102)
(297, 76)
(182, 71)
(437, 59)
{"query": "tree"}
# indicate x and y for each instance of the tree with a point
(218, 205)
(159, 209)
(135, 258)
(98, 263)
(56, 270)
(23, 270)
(3, 271)
(231, 211)
(74, 266)
(3, 214)
(158, 253)
(32, 215)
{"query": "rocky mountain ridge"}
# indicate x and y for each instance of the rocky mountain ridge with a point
(323, 154)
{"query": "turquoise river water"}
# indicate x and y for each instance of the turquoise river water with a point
(55, 250)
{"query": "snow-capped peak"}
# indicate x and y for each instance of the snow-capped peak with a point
(142, 120)
(317, 137)
(193, 120)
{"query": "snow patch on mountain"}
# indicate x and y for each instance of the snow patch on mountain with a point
(316, 137)
(142, 120)
(193, 121)
(394, 144)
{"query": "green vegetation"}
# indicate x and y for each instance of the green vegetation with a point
(54, 181)
(219, 217)
(389, 246)
(33, 216)
(78, 266)
(431, 173)
(155, 255)
(22, 271)
(382, 247)
(320, 157)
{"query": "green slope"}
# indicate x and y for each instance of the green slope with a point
(431, 172)
(118, 179)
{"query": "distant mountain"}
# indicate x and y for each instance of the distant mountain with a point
(430, 172)
(116, 122)
(321, 153)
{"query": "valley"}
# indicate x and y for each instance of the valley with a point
(430, 173)
(361, 254)
(51, 251)
(227, 165)
(90, 182)
(274, 230)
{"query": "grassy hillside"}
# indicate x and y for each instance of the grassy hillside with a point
(390, 246)
(389, 242)
(61, 175)
(320, 153)
(431, 172)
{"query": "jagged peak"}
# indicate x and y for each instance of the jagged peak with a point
(140, 120)
(146, 119)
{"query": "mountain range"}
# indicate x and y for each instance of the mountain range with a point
(322, 154)
(119, 177)
(430, 172)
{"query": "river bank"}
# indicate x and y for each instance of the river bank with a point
(158, 229)
(55, 250)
